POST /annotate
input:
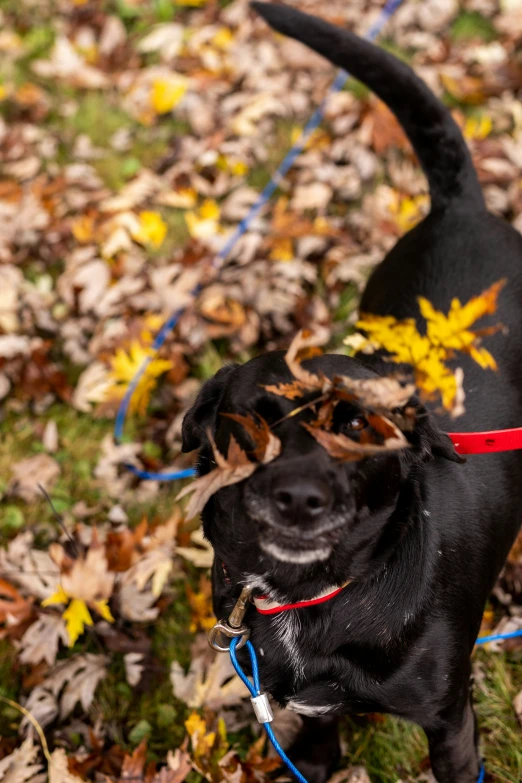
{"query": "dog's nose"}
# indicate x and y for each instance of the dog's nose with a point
(300, 501)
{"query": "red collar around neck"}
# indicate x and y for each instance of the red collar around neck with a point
(266, 605)
(487, 442)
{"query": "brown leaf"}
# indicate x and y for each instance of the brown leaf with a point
(304, 339)
(29, 473)
(14, 609)
(267, 446)
(289, 390)
(386, 131)
(235, 468)
(380, 394)
(345, 449)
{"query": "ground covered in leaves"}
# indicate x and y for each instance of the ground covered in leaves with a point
(134, 135)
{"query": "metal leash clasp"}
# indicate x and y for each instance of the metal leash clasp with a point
(234, 626)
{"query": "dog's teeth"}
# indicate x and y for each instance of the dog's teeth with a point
(302, 557)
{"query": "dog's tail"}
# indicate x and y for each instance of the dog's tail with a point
(428, 124)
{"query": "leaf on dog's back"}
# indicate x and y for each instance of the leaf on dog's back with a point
(267, 445)
(234, 468)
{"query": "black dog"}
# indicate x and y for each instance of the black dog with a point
(421, 536)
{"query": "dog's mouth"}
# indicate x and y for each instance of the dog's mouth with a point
(299, 546)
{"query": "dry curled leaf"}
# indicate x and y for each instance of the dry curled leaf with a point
(267, 446)
(341, 447)
(234, 468)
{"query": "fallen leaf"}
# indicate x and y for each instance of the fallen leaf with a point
(202, 615)
(134, 666)
(42, 639)
(20, 766)
(29, 473)
(59, 768)
(210, 682)
(14, 608)
(201, 555)
(71, 681)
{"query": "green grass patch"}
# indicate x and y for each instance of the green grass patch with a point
(471, 25)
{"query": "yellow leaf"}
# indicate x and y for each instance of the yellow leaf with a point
(3, 92)
(82, 229)
(223, 38)
(102, 607)
(152, 229)
(123, 369)
(76, 617)
(202, 741)
(467, 89)
(478, 128)
(166, 93)
(408, 211)
(59, 597)
(445, 334)
(203, 223)
(282, 250)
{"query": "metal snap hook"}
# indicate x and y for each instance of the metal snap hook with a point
(233, 628)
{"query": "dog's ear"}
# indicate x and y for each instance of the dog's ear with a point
(431, 441)
(202, 415)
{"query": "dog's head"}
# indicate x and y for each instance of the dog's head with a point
(305, 513)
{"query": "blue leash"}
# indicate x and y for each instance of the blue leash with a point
(265, 196)
(255, 692)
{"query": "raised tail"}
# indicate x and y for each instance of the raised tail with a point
(431, 129)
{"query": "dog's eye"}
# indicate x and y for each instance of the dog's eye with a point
(355, 424)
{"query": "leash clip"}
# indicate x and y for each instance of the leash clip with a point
(234, 627)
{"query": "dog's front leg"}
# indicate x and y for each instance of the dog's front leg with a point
(453, 745)
(316, 751)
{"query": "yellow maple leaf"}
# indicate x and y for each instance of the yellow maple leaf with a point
(167, 92)
(76, 616)
(428, 353)
(152, 229)
(203, 223)
(3, 92)
(124, 367)
(201, 739)
(478, 128)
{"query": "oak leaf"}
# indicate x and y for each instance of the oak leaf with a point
(210, 682)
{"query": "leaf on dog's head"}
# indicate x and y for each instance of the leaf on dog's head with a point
(377, 393)
(304, 346)
(289, 390)
(234, 468)
(267, 445)
(345, 449)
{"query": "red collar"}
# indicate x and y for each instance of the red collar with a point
(266, 605)
(487, 442)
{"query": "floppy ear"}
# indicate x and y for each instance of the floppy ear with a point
(202, 415)
(431, 441)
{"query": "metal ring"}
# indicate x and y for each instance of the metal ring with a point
(226, 630)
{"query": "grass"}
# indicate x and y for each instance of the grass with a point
(470, 25)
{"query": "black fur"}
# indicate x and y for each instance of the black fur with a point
(422, 536)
